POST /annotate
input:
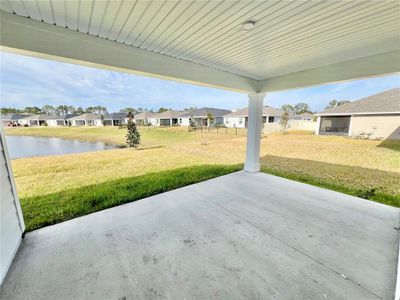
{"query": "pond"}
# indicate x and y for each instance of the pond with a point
(29, 146)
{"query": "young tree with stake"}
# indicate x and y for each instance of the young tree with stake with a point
(133, 134)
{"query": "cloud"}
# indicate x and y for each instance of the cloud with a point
(27, 81)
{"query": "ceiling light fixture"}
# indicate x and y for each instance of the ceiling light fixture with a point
(248, 25)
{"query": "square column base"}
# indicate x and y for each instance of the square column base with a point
(252, 167)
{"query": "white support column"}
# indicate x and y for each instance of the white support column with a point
(318, 125)
(254, 125)
(350, 133)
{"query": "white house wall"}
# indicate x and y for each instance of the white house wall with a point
(231, 122)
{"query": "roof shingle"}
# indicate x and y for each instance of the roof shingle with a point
(385, 102)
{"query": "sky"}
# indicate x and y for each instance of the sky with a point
(27, 81)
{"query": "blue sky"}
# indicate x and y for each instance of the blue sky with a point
(27, 81)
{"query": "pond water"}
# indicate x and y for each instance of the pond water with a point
(29, 146)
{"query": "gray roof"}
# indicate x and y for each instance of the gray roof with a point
(145, 115)
(14, 117)
(385, 102)
(267, 111)
(86, 117)
(169, 114)
(44, 117)
(305, 115)
(204, 111)
(116, 116)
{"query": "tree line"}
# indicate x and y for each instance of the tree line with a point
(69, 109)
(302, 107)
(296, 109)
(55, 110)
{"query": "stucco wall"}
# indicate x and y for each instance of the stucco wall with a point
(379, 126)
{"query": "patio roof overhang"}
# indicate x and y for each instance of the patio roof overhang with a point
(313, 43)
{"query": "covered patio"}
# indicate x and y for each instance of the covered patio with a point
(239, 236)
(242, 236)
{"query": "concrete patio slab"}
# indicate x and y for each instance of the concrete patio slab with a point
(239, 236)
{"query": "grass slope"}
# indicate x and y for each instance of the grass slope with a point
(50, 209)
(368, 169)
(376, 185)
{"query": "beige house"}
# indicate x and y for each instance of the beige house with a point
(169, 118)
(146, 118)
(374, 117)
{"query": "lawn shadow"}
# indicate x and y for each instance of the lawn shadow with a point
(373, 184)
(150, 148)
(392, 142)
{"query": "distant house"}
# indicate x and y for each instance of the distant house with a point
(304, 117)
(88, 119)
(13, 119)
(146, 118)
(169, 118)
(200, 116)
(376, 116)
(239, 118)
(43, 120)
(115, 119)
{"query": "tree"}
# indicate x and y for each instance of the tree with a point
(129, 109)
(300, 108)
(79, 110)
(334, 103)
(9, 110)
(71, 109)
(48, 109)
(210, 119)
(133, 134)
(162, 109)
(288, 108)
(62, 110)
(284, 121)
(32, 110)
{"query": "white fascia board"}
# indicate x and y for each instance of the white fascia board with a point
(29, 37)
(358, 114)
(371, 66)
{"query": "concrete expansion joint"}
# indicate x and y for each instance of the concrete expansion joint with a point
(298, 250)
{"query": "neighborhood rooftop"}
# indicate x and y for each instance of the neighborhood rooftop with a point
(267, 111)
(88, 116)
(169, 114)
(204, 111)
(385, 102)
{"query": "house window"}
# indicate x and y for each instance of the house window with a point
(270, 119)
(180, 121)
(226, 121)
(264, 120)
(240, 120)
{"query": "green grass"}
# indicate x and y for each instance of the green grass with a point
(376, 185)
(56, 188)
(50, 209)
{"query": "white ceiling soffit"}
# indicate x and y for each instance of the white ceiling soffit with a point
(288, 37)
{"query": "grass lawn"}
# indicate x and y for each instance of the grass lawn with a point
(368, 169)
(53, 208)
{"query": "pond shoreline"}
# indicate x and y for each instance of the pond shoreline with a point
(27, 146)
